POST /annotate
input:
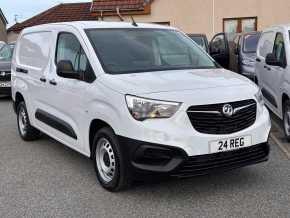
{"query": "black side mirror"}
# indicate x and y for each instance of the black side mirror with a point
(273, 61)
(65, 69)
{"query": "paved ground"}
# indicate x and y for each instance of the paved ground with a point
(46, 179)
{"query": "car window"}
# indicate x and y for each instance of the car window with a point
(266, 44)
(70, 49)
(6, 53)
(250, 43)
(279, 48)
(218, 44)
(34, 49)
(199, 40)
(123, 51)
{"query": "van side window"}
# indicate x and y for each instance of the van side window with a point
(70, 49)
(279, 49)
(34, 49)
(266, 44)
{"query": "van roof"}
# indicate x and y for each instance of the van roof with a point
(97, 24)
(281, 26)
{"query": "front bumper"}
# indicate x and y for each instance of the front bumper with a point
(147, 160)
(212, 163)
(179, 132)
(248, 71)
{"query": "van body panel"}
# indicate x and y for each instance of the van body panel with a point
(68, 89)
(273, 80)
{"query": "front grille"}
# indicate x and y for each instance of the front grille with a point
(6, 77)
(207, 164)
(209, 119)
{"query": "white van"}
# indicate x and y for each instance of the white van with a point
(141, 101)
(273, 71)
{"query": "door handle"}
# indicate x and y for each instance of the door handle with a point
(21, 70)
(266, 67)
(258, 59)
(43, 79)
(53, 82)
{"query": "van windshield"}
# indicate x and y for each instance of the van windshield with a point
(123, 51)
(251, 43)
(6, 52)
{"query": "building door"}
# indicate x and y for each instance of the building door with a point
(238, 25)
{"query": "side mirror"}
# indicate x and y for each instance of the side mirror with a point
(273, 61)
(65, 69)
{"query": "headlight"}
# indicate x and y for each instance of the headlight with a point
(142, 108)
(260, 98)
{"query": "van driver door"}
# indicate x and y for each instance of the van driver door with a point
(66, 111)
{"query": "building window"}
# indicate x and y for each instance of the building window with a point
(241, 24)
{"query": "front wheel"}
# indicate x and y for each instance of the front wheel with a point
(110, 164)
(286, 119)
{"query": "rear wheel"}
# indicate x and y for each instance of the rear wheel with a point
(26, 131)
(286, 119)
(110, 164)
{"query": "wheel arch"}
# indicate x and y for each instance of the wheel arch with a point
(18, 98)
(95, 126)
(285, 97)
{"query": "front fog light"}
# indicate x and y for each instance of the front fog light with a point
(142, 108)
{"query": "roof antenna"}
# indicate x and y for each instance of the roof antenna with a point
(133, 21)
(119, 15)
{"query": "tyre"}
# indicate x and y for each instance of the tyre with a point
(110, 164)
(286, 119)
(26, 131)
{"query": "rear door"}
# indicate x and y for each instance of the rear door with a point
(263, 71)
(32, 64)
(219, 49)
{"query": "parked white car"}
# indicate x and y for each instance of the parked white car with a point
(141, 101)
(273, 71)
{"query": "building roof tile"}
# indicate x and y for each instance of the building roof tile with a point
(59, 13)
(111, 5)
(84, 12)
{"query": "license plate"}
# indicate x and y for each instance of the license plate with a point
(5, 84)
(230, 144)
